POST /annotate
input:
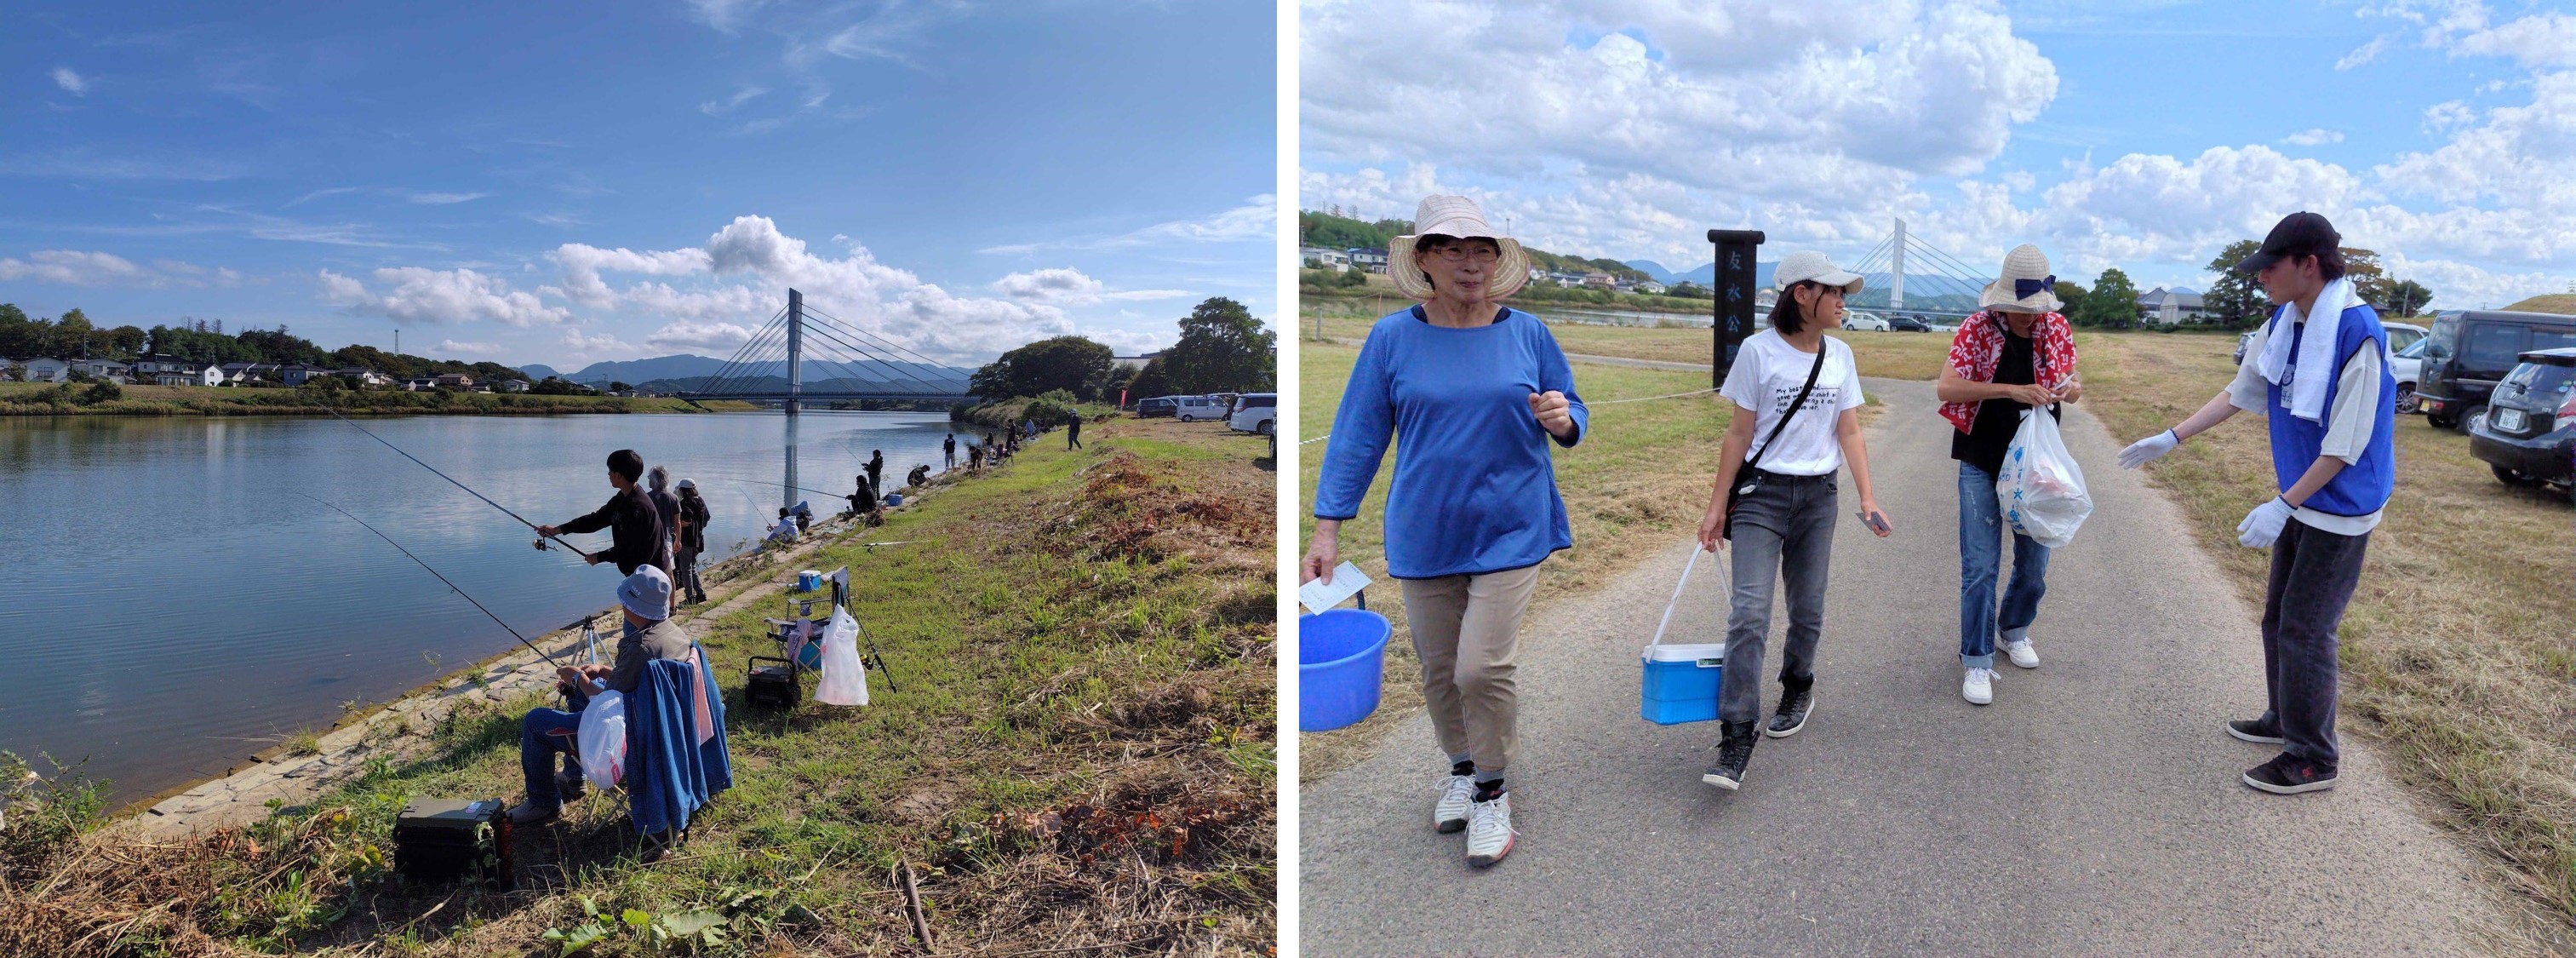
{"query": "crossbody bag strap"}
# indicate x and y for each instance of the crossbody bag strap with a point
(1803, 391)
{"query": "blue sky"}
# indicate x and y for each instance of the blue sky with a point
(2133, 133)
(562, 183)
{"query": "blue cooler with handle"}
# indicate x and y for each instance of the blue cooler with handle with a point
(1679, 683)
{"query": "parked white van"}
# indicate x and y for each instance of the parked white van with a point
(1859, 320)
(1254, 412)
(1195, 408)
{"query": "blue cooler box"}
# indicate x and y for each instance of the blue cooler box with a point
(1679, 683)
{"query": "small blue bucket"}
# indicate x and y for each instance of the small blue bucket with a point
(808, 581)
(1341, 660)
(894, 498)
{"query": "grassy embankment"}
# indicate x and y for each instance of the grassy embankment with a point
(2456, 648)
(47, 399)
(1378, 297)
(1081, 757)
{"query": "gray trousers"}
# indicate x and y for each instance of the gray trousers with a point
(1784, 527)
(685, 583)
(2313, 574)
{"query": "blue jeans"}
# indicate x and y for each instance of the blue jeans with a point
(1981, 526)
(542, 735)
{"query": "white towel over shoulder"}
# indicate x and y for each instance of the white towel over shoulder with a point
(2316, 350)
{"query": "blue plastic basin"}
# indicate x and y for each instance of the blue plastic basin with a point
(1341, 659)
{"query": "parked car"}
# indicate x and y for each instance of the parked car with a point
(1157, 406)
(1860, 320)
(2243, 340)
(1195, 408)
(2470, 351)
(1254, 412)
(1909, 324)
(2403, 366)
(2528, 436)
(2402, 335)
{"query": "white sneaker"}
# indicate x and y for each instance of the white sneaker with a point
(2022, 654)
(1456, 793)
(1489, 831)
(1979, 688)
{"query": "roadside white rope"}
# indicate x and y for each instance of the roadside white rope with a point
(1605, 402)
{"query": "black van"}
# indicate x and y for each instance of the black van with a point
(2529, 434)
(2471, 350)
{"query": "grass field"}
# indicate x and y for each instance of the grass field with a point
(1073, 742)
(47, 399)
(2456, 648)
(1892, 355)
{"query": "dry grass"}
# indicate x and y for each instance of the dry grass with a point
(1888, 355)
(2456, 648)
(2549, 303)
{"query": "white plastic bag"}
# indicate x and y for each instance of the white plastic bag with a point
(603, 740)
(845, 680)
(2041, 490)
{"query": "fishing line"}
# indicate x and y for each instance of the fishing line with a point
(353, 424)
(389, 540)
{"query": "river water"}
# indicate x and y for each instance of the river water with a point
(169, 603)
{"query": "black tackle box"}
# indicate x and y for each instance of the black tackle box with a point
(442, 840)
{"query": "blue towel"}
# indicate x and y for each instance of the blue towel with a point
(669, 773)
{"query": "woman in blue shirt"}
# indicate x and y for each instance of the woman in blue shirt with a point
(1473, 391)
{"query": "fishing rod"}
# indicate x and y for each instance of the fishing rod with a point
(514, 633)
(353, 424)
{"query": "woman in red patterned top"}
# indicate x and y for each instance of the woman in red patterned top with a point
(2015, 353)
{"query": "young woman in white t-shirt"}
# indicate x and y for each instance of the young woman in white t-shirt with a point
(1782, 523)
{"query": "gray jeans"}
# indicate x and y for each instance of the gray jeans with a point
(2313, 574)
(1783, 528)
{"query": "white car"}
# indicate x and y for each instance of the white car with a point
(1195, 408)
(1255, 412)
(1857, 320)
(2403, 365)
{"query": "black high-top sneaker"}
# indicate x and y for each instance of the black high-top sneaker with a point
(1797, 699)
(1734, 749)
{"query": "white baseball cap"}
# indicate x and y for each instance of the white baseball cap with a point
(1811, 266)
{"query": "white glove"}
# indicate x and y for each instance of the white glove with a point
(2147, 450)
(2263, 525)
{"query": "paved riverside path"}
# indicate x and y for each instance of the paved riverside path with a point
(2094, 808)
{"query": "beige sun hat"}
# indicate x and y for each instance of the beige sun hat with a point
(1807, 266)
(1454, 216)
(2024, 286)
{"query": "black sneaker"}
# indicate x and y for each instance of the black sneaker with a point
(569, 785)
(2253, 730)
(1795, 704)
(1734, 750)
(2285, 775)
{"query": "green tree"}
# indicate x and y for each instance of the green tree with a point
(2113, 303)
(2232, 297)
(1149, 382)
(2408, 298)
(2369, 279)
(1071, 363)
(2069, 295)
(1222, 349)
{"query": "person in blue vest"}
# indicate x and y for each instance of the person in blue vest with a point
(1473, 393)
(2318, 370)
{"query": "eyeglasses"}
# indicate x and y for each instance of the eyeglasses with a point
(1461, 254)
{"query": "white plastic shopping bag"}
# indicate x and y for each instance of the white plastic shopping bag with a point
(603, 740)
(845, 680)
(2041, 489)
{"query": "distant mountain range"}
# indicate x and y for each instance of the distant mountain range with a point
(537, 372)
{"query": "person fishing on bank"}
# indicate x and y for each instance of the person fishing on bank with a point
(2318, 372)
(1796, 391)
(919, 477)
(666, 506)
(636, 536)
(650, 633)
(1072, 431)
(694, 517)
(948, 452)
(2014, 354)
(876, 470)
(1473, 393)
(863, 501)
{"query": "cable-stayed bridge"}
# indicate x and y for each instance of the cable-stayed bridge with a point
(1907, 274)
(802, 355)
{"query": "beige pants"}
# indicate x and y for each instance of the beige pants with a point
(1466, 629)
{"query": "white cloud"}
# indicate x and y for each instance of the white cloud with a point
(444, 199)
(1070, 287)
(2313, 137)
(715, 337)
(79, 268)
(1256, 219)
(727, 105)
(71, 82)
(2367, 52)
(436, 297)
(582, 264)
(469, 349)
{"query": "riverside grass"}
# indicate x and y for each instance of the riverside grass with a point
(1081, 754)
(2456, 653)
(26, 399)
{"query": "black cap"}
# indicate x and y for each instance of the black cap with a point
(2298, 234)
